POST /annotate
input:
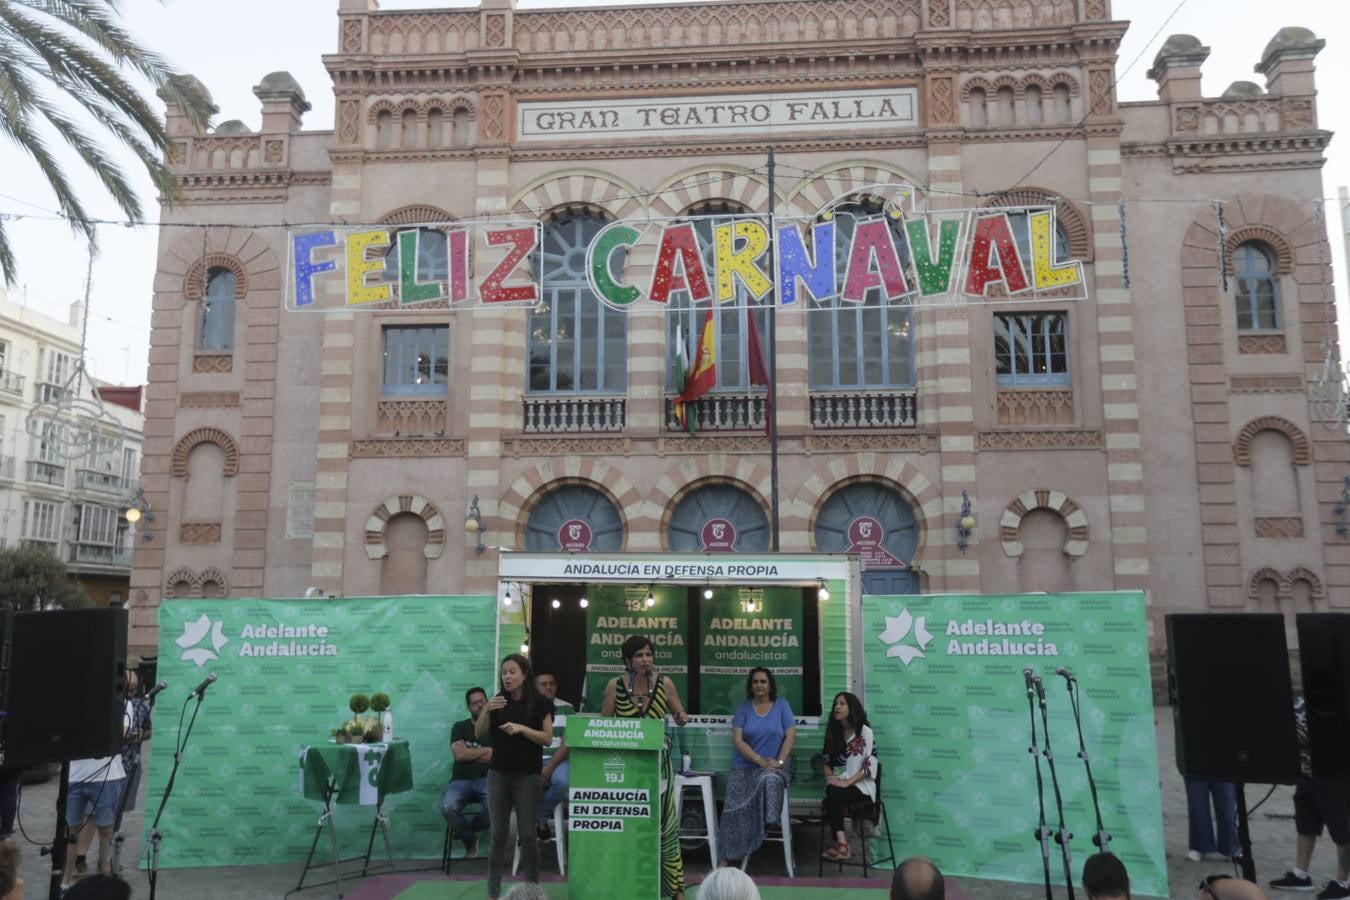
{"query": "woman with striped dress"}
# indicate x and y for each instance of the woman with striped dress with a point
(642, 692)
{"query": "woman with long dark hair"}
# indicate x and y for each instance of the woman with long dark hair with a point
(762, 733)
(848, 767)
(521, 724)
(642, 692)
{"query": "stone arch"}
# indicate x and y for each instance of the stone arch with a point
(971, 84)
(1066, 79)
(758, 492)
(415, 215)
(1038, 80)
(183, 576)
(1009, 81)
(810, 195)
(800, 512)
(1067, 215)
(717, 468)
(1280, 250)
(213, 576)
(734, 184)
(1262, 575)
(530, 487)
(378, 107)
(578, 187)
(1298, 440)
(460, 102)
(905, 489)
(405, 503)
(194, 282)
(1300, 573)
(1075, 545)
(179, 465)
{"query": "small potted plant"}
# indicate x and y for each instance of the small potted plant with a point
(379, 704)
(355, 730)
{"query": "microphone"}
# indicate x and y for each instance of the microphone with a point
(1028, 675)
(1068, 676)
(200, 689)
(150, 694)
(1040, 687)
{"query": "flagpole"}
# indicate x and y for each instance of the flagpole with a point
(773, 373)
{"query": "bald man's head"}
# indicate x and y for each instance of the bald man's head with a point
(1232, 889)
(917, 879)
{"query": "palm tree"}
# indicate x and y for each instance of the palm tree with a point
(79, 48)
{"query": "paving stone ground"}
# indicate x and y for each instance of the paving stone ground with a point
(1272, 829)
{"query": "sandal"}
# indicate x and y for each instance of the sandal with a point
(838, 852)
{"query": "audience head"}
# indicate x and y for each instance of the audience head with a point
(526, 891)
(728, 883)
(515, 675)
(99, 887)
(546, 683)
(133, 683)
(1226, 887)
(633, 646)
(1105, 878)
(474, 698)
(11, 885)
(917, 878)
(762, 674)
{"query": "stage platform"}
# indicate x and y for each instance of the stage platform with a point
(425, 886)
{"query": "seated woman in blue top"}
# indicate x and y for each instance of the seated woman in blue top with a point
(762, 733)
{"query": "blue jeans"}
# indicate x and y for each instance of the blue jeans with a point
(556, 790)
(1198, 795)
(457, 795)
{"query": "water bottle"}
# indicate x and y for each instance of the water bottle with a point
(685, 763)
(387, 720)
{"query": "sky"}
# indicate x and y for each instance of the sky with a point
(231, 44)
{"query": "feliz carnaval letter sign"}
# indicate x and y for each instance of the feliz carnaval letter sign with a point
(936, 258)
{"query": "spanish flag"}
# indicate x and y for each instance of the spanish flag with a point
(703, 376)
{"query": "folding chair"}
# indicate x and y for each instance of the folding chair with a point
(784, 837)
(863, 813)
(559, 840)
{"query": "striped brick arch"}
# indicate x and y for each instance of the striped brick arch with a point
(181, 450)
(749, 475)
(1279, 247)
(798, 515)
(534, 484)
(1284, 582)
(1067, 216)
(1242, 447)
(579, 189)
(194, 282)
(821, 189)
(399, 504)
(736, 186)
(415, 215)
(1077, 542)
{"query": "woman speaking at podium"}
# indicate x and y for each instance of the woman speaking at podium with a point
(642, 692)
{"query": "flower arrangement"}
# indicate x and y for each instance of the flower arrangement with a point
(361, 728)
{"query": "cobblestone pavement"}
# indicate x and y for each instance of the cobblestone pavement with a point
(1272, 829)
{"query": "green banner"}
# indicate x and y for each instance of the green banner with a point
(616, 612)
(286, 670)
(948, 704)
(746, 627)
(614, 808)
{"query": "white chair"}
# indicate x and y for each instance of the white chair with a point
(559, 839)
(705, 784)
(785, 825)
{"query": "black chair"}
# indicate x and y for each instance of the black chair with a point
(863, 813)
(448, 848)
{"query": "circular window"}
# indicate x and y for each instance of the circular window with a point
(877, 523)
(718, 518)
(574, 517)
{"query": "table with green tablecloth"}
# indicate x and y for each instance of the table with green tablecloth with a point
(352, 774)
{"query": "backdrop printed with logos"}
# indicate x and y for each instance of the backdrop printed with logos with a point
(287, 669)
(948, 705)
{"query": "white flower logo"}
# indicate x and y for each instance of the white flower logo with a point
(195, 633)
(897, 628)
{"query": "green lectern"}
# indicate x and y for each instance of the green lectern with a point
(614, 807)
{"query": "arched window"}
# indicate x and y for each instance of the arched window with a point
(577, 344)
(459, 128)
(1006, 114)
(1258, 293)
(877, 523)
(1021, 229)
(433, 259)
(384, 129)
(217, 326)
(718, 518)
(574, 517)
(979, 113)
(1033, 102)
(408, 133)
(861, 345)
(728, 319)
(1063, 103)
(435, 125)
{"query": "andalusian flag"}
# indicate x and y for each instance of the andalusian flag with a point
(702, 378)
(681, 375)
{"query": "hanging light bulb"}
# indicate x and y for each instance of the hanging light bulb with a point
(557, 604)
(524, 646)
(583, 603)
(651, 600)
(506, 598)
(822, 593)
(708, 592)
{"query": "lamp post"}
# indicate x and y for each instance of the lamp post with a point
(965, 526)
(138, 510)
(474, 524)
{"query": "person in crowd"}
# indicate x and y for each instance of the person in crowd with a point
(848, 768)
(1318, 803)
(762, 734)
(1199, 793)
(138, 732)
(556, 774)
(642, 692)
(468, 777)
(521, 723)
(11, 884)
(917, 878)
(1105, 878)
(728, 884)
(91, 807)
(100, 887)
(1226, 887)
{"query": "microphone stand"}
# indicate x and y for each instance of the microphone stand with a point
(1042, 832)
(1101, 840)
(156, 836)
(1062, 836)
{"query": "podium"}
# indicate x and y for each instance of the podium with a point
(614, 807)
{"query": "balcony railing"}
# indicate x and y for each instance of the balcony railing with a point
(35, 544)
(103, 482)
(47, 473)
(721, 412)
(99, 555)
(865, 409)
(51, 393)
(7, 467)
(556, 415)
(10, 383)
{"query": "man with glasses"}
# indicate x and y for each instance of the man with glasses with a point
(468, 779)
(1226, 887)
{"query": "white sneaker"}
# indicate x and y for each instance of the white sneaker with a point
(1194, 855)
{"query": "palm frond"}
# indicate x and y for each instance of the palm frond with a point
(9, 267)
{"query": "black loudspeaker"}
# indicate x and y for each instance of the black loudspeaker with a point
(64, 691)
(1324, 657)
(1232, 701)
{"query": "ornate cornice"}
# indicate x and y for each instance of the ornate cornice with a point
(1040, 440)
(406, 448)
